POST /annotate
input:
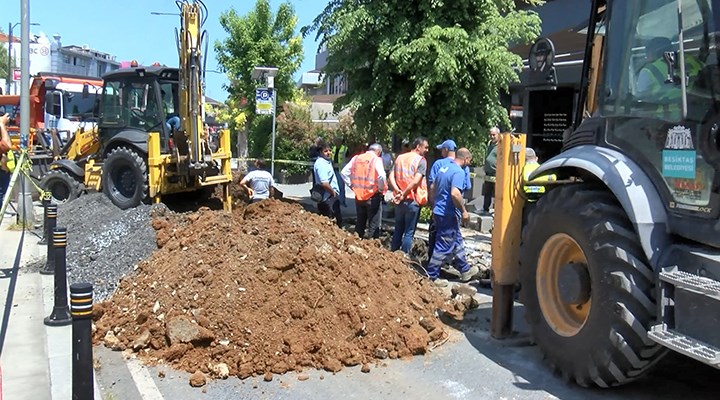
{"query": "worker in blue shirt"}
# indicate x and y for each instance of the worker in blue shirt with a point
(324, 175)
(449, 211)
(447, 149)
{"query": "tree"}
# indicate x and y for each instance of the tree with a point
(425, 67)
(4, 62)
(259, 38)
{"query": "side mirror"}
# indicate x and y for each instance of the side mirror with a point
(51, 84)
(86, 91)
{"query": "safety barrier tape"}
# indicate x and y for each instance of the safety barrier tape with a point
(22, 166)
(292, 162)
(310, 164)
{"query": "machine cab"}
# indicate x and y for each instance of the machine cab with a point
(660, 100)
(141, 100)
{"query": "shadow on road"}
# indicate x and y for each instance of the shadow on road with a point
(675, 376)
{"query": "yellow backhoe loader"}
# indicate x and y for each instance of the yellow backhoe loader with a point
(150, 130)
(619, 261)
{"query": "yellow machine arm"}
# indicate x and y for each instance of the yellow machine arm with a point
(191, 40)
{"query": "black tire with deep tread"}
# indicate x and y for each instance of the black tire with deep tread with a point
(132, 189)
(612, 348)
(63, 186)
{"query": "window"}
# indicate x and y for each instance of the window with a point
(644, 97)
(111, 104)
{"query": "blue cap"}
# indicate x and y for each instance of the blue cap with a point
(448, 144)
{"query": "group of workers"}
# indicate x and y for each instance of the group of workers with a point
(409, 185)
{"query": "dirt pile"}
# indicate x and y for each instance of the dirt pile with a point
(268, 289)
(239, 194)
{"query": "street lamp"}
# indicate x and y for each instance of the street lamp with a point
(11, 26)
(269, 74)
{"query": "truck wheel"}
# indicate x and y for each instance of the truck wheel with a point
(587, 288)
(124, 178)
(62, 186)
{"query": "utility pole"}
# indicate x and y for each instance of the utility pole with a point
(26, 216)
(9, 64)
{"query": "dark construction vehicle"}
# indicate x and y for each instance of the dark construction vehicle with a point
(620, 259)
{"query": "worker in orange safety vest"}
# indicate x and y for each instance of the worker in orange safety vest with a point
(365, 175)
(408, 184)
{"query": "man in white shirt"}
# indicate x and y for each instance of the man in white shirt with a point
(260, 181)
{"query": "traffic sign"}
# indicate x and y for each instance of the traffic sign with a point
(263, 101)
(17, 74)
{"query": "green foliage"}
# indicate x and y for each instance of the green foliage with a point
(260, 136)
(425, 67)
(425, 214)
(259, 38)
(295, 133)
(4, 61)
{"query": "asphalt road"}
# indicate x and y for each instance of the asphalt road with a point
(471, 365)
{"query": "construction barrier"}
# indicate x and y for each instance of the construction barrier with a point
(81, 306)
(46, 232)
(51, 221)
(60, 315)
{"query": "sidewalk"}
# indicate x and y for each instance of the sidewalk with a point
(36, 359)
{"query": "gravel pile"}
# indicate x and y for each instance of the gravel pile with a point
(105, 243)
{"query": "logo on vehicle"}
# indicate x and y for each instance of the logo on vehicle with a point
(679, 138)
(679, 155)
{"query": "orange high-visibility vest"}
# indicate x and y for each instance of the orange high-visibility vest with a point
(406, 166)
(363, 176)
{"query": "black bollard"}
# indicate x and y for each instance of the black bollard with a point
(46, 233)
(51, 219)
(61, 312)
(81, 304)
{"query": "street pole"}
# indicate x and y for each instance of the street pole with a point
(25, 206)
(9, 64)
(272, 149)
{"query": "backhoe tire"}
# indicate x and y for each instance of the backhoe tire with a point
(587, 288)
(125, 178)
(63, 186)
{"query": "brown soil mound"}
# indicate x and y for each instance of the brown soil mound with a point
(268, 289)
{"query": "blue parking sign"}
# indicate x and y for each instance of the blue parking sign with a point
(263, 101)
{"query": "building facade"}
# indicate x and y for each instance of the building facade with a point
(51, 56)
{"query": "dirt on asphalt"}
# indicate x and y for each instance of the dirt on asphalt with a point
(268, 289)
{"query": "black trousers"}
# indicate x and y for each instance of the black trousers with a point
(488, 192)
(331, 209)
(369, 214)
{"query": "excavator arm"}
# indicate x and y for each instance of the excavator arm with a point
(191, 40)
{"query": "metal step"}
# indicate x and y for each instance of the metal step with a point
(686, 345)
(707, 286)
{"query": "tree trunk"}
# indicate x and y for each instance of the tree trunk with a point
(242, 148)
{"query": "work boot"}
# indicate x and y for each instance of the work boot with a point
(467, 275)
(440, 283)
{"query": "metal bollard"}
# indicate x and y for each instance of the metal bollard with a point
(46, 232)
(81, 304)
(61, 312)
(49, 268)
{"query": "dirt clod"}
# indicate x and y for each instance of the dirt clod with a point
(198, 379)
(269, 289)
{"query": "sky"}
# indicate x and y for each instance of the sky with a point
(126, 29)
